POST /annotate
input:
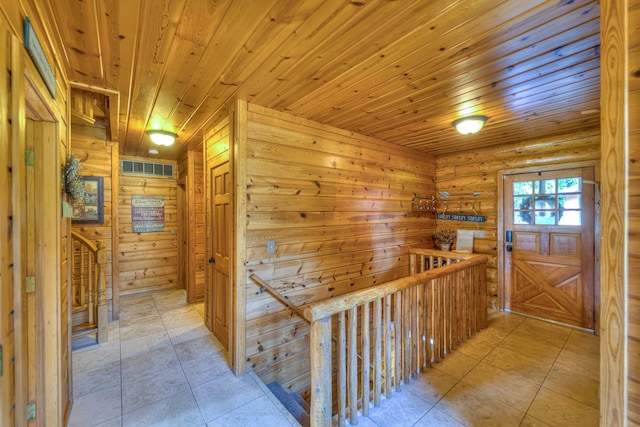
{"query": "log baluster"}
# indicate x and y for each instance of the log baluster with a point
(377, 351)
(387, 347)
(342, 369)
(352, 364)
(366, 359)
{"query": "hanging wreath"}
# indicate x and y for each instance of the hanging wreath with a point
(73, 184)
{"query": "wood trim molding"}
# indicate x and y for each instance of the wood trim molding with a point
(239, 150)
(614, 64)
(18, 205)
(115, 233)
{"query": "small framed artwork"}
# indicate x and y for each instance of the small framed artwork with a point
(90, 210)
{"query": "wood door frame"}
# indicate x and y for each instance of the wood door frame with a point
(37, 246)
(238, 152)
(236, 114)
(183, 238)
(503, 271)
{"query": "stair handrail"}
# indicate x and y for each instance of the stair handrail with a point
(277, 296)
(99, 251)
(321, 309)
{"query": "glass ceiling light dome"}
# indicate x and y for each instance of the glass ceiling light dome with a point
(470, 125)
(162, 137)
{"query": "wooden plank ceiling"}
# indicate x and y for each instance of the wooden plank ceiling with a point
(398, 70)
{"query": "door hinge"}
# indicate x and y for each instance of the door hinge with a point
(29, 157)
(31, 411)
(30, 284)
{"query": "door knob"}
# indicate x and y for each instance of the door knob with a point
(212, 260)
(509, 248)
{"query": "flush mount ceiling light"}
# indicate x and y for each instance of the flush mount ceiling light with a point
(162, 137)
(469, 125)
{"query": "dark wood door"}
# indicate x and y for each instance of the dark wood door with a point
(221, 238)
(549, 218)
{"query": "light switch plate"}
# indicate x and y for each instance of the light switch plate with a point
(271, 246)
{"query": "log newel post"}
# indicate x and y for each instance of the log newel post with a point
(321, 372)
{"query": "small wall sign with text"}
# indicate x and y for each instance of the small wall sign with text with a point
(33, 46)
(147, 213)
(458, 217)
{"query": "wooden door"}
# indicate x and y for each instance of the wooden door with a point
(220, 262)
(549, 245)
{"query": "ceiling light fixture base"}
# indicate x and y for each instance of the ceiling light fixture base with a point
(162, 137)
(470, 124)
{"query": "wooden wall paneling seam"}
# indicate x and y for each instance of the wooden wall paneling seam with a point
(615, 127)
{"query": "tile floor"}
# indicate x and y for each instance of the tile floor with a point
(162, 367)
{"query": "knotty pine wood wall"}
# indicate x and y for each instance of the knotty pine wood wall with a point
(477, 170)
(90, 146)
(147, 261)
(191, 174)
(143, 261)
(633, 260)
(338, 206)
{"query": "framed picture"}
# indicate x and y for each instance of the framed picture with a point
(90, 210)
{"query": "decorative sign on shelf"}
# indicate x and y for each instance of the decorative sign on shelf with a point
(458, 217)
(147, 213)
(33, 46)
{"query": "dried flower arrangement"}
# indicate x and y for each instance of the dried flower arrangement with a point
(73, 184)
(444, 237)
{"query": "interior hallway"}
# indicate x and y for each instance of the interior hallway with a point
(162, 367)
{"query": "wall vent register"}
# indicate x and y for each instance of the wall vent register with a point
(132, 167)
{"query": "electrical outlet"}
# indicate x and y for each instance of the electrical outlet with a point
(271, 246)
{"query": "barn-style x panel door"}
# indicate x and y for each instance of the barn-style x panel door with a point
(549, 227)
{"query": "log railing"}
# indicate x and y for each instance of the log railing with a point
(88, 294)
(397, 329)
